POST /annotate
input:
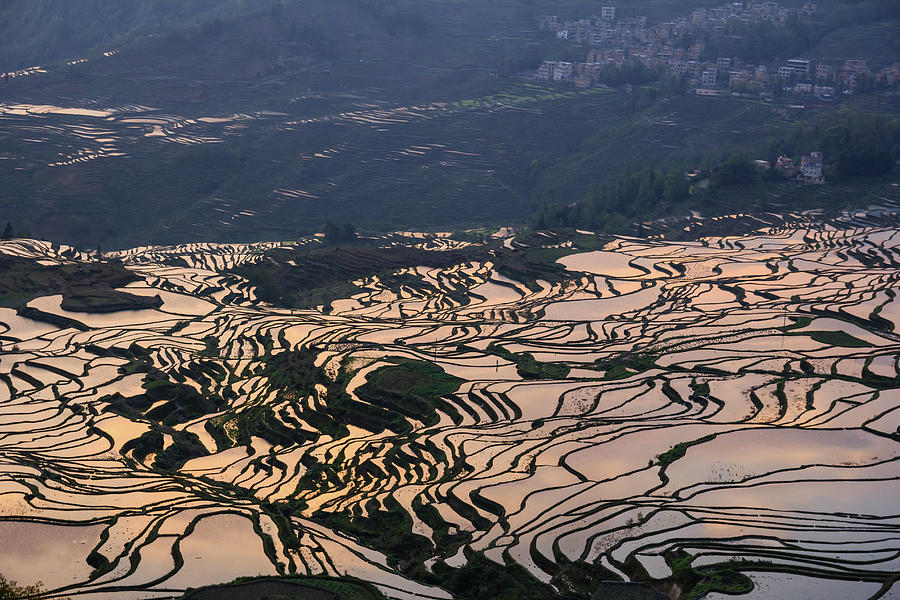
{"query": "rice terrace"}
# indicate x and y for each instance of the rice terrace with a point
(718, 416)
(449, 300)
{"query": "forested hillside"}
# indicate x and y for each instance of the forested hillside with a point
(233, 120)
(45, 31)
(41, 31)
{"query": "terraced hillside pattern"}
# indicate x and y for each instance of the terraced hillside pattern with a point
(716, 416)
(271, 123)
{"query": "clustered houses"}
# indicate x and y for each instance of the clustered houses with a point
(661, 47)
(555, 70)
(822, 80)
(809, 171)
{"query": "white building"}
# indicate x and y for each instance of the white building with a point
(709, 78)
(555, 71)
(562, 70)
(811, 168)
(799, 65)
(786, 72)
(608, 13)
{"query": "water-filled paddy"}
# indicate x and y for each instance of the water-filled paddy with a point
(642, 409)
(54, 554)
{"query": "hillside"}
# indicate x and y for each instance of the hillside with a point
(37, 32)
(240, 125)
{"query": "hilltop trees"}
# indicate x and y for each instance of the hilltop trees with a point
(608, 206)
(37, 32)
(10, 590)
(397, 16)
(853, 144)
(339, 234)
(736, 170)
(760, 42)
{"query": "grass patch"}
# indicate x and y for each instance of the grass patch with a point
(527, 366)
(309, 277)
(85, 286)
(308, 588)
(697, 582)
(838, 338)
(391, 395)
(412, 389)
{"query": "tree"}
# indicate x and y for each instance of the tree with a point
(339, 234)
(8, 232)
(735, 171)
(10, 590)
(332, 233)
(676, 187)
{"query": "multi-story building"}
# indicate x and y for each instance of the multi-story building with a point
(799, 65)
(562, 71)
(678, 66)
(857, 67)
(737, 78)
(709, 78)
(555, 70)
(723, 62)
(545, 71)
(824, 72)
(608, 13)
(550, 22)
(811, 168)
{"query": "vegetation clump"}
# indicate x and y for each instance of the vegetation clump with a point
(314, 587)
(308, 277)
(697, 582)
(854, 145)
(11, 590)
(165, 404)
(841, 339)
(527, 366)
(85, 286)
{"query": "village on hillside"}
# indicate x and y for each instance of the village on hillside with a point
(678, 49)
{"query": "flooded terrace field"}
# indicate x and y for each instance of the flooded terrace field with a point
(723, 411)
